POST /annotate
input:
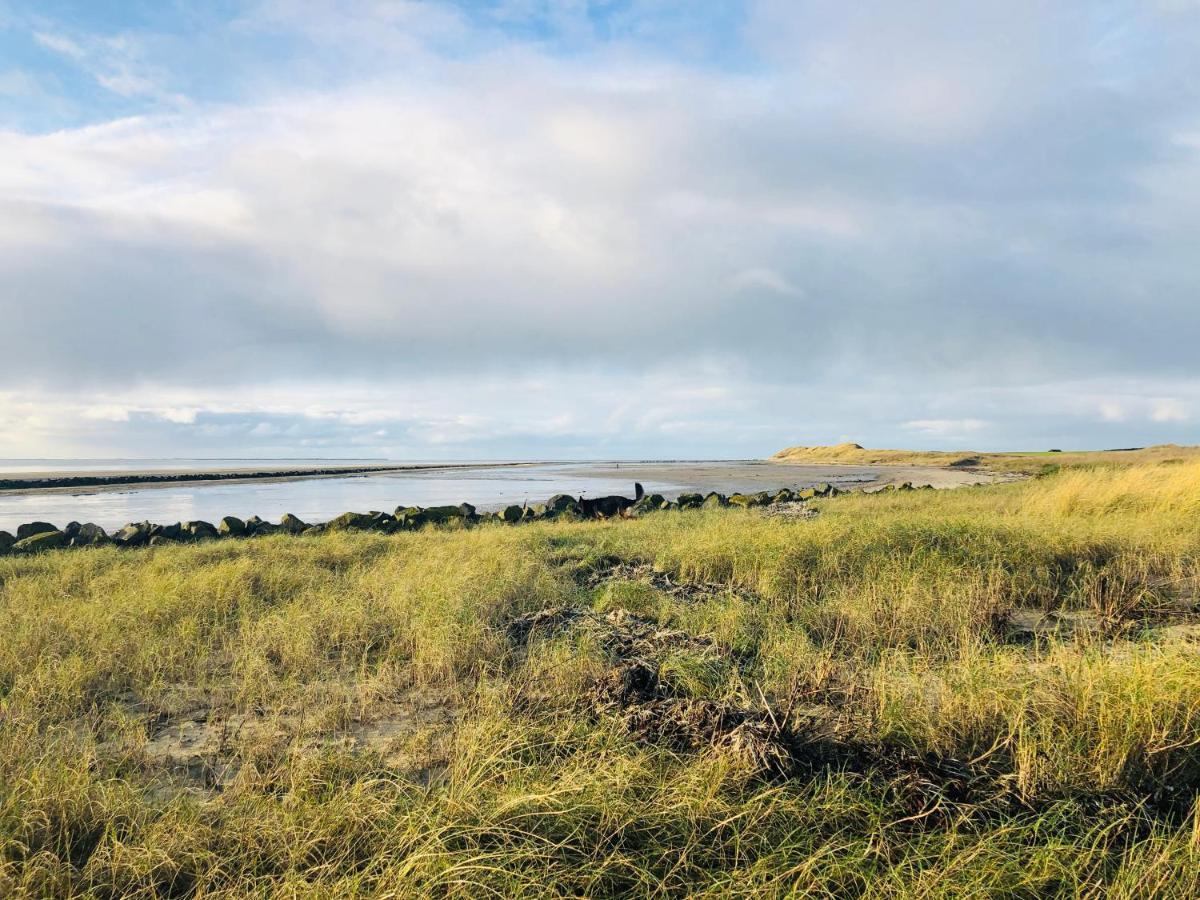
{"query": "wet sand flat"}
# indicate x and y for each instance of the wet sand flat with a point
(110, 478)
(488, 486)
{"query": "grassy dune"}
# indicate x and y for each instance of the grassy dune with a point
(989, 691)
(1016, 462)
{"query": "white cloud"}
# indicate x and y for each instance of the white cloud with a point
(60, 44)
(930, 224)
(1169, 410)
(116, 63)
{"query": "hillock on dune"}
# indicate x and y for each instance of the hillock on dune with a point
(1017, 462)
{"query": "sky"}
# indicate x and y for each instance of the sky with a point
(424, 229)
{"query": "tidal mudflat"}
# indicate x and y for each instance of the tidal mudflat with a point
(487, 486)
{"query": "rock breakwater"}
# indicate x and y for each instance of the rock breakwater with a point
(36, 537)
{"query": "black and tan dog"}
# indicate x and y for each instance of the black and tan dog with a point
(609, 507)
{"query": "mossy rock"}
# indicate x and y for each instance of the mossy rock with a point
(806, 493)
(690, 501)
(442, 514)
(231, 526)
(173, 532)
(292, 525)
(29, 529)
(784, 496)
(381, 521)
(90, 535)
(199, 530)
(715, 501)
(409, 516)
(6, 541)
(648, 504)
(135, 534)
(561, 505)
(260, 527)
(43, 540)
(762, 498)
(351, 521)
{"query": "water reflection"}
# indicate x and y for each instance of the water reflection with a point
(319, 499)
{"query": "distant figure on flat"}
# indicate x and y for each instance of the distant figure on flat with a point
(610, 507)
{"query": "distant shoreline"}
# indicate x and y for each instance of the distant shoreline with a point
(37, 482)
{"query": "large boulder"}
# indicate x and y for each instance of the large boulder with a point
(511, 514)
(715, 501)
(409, 516)
(259, 527)
(135, 534)
(381, 521)
(89, 535)
(199, 531)
(29, 529)
(783, 496)
(690, 501)
(231, 526)
(351, 521)
(292, 525)
(561, 505)
(172, 532)
(441, 515)
(762, 498)
(6, 542)
(42, 540)
(648, 504)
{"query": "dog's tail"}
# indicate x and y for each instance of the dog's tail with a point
(638, 491)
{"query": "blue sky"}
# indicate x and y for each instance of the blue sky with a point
(525, 228)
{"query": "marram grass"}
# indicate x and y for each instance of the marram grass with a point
(352, 716)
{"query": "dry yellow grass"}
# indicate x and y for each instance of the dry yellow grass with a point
(365, 721)
(1015, 462)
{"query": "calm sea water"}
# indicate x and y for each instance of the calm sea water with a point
(320, 499)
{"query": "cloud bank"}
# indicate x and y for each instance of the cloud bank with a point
(513, 229)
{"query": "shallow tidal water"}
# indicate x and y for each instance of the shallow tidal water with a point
(320, 499)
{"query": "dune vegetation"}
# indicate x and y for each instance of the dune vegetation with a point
(980, 692)
(1017, 462)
